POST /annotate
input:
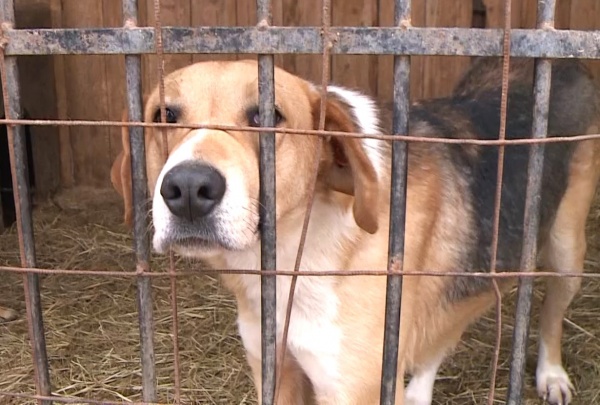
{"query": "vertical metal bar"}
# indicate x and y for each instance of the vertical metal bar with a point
(266, 90)
(20, 178)
(140, 218)
(19, 171)
(543, 74)
(393, 298)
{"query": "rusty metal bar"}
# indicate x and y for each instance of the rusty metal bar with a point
(268, 242)
(393, 297)
(140, 218)
(283, 40)
(541, 92)
(18, 163)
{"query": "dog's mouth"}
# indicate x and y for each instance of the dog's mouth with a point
(196, 246)
(188, 245)
(200, 240)
(195, 242)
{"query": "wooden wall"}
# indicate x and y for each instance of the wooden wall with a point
(93, 87)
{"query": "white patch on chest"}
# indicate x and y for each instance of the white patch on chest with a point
(314, 337)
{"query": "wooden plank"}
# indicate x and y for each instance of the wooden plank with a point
(585, 15)
(246, 13)
(116, 92)
(528, 13)
(87, 96)
(353, 71)
(67, 178)
(563, 14)
(495, 13)
(523, 13)
(441, 73)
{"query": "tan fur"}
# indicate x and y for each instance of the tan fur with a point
(565, 250)
(429, 325)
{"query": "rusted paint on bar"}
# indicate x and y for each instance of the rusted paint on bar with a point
(268, 241)
(140, 216)
(393, 299)
(19, 168)
(281, 40)
(542, 84)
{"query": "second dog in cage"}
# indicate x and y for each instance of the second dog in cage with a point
(206, 205)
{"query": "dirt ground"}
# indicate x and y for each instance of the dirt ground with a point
(92, 323)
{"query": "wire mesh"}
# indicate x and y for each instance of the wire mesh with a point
(266, 40)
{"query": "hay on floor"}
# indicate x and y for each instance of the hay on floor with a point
(92, 325)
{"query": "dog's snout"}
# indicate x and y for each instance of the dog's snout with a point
(192, 191)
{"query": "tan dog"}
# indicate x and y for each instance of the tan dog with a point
(205, 205)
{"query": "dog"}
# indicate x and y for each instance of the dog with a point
(205, 204)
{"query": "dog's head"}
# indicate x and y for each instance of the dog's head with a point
(205, 196)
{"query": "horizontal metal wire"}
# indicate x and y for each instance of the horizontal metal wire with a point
(545, 43)
(507, 274)
(305, 132)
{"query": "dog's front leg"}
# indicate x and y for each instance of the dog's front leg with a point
(420, 388)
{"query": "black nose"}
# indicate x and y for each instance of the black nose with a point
(192, 190)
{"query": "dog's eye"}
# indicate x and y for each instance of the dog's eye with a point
(171, 116)
(254, 117)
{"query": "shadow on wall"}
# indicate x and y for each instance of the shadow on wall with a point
(7, 202)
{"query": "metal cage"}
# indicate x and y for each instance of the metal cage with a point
(402, 41)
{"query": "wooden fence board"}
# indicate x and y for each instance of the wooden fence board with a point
(88, 95)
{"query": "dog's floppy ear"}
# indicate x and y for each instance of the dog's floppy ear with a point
(120, 175)
(346, 165)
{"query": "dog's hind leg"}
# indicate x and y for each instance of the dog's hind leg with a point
(564, 253)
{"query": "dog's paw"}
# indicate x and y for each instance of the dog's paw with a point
(416, 401)
(416, 394)
(554, 385)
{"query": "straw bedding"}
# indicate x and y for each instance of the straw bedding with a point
(92, 325)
